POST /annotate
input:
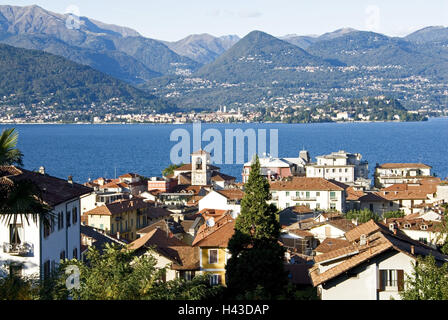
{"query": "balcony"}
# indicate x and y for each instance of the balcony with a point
(295, 198)
(25, 249)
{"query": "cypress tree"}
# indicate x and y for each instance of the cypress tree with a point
(255, 269)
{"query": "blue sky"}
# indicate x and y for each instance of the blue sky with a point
(174, 19)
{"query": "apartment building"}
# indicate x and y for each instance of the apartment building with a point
(31, 247)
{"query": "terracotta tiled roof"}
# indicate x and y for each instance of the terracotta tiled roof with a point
(299, 232)
(330, 244)
(231, 194)
(353, 195)
(129, 175)
(302, 183)
(184, 257)
(121, 206)
(378, 240)
(216, 236)
(373, 197)
(218, 176)
(162, 225)
(213, 213)
(365, 228)
(414, 224)
(404, 166)
(340, 223)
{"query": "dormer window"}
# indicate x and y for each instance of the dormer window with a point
(424, 227)
(407, 226)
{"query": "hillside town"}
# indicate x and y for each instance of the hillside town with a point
(186, 218)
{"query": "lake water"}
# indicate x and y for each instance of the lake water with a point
(91, 151)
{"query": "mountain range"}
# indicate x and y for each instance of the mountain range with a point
(204, 71)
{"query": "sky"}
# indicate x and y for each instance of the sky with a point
(173, 20)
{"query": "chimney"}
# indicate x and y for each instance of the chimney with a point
(42, 170)
(70, 179)
(412, 250)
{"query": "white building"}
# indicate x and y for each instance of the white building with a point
(277, 168)
(372, 266)
(34, 249)
(388, 174)
(315, 193)
(229, 199)
(341, 166)
(99, 198)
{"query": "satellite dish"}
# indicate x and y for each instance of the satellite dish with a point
(210, 222)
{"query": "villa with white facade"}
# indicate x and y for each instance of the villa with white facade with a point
(388, 174)
(32, 248)
(315, 193)
(341, 166)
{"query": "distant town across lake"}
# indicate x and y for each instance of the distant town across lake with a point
(92, 151)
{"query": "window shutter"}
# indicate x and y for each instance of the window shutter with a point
(381, 281)
(400, 280)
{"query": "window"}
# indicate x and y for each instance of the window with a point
(287, 193)
(424, 240)
(332, 195)
(60, 220)
(67, 216)
(212, 256)
(47, 269)
(186, 275)
(47, 229)
(15, 234)
(297, 194)
(215, 279)
(391, 280)
(317, 205)
(307, 195)
(317, 194)
(75, 215)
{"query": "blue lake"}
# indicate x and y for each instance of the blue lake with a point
(91, 151)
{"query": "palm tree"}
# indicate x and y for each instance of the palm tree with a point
(9, 154)
(19, 199)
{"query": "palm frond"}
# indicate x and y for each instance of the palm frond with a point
(9, 154)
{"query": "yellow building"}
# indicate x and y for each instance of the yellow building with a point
(211, 242)
(123, 218)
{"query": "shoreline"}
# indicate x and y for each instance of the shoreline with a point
(217, 123)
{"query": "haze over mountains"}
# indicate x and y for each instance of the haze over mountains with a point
(203, 71)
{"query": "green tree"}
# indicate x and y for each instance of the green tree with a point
(170, 169)
(118, 274)
(13, 287)
(255, 269)
(9, 154)
(393, 214)
(427, 282)
(362, 216)
(19, 200)
(442, 234)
